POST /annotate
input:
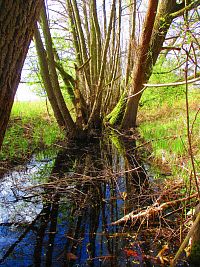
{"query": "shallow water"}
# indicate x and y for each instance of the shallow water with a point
(58, 209)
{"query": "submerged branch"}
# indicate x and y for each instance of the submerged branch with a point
(69, 182)
(151, 210)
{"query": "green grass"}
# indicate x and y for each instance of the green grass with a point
(163, 123)
(30, 127)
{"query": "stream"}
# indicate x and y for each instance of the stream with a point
(57, 210)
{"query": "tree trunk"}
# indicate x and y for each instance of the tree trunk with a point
(42, 59)
(69, 123)
(17, 21)
(152, 39)
(140, 67)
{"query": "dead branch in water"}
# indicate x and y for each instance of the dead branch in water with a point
(151, 210)
(186, 240)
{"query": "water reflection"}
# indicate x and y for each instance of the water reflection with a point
(16, 204)
(58, 211)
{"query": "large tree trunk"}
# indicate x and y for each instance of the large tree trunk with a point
(153, 36)
(17, 22)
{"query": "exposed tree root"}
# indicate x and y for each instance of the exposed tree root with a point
(151, 211)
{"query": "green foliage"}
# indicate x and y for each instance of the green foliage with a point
(162, 73)
(163, 123)
(33, 76)
(30, 128)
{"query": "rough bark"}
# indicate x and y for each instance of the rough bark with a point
(17, 21)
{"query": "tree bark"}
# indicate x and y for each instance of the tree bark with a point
(17, 22)
(69, 123)
(44, 71)
(150, 50)
(140, 67)
(95, 119)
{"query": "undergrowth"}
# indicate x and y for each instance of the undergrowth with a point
(163, 126)
(31, 126)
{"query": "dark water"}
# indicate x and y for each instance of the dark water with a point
(58, 209)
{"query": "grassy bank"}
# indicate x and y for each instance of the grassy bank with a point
(163, 126)
(31, 126)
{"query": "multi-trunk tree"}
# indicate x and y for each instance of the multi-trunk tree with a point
(104, 89)
(95, 86)
(107, 84)
(159, 17)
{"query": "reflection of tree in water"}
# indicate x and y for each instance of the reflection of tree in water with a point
(75, 223)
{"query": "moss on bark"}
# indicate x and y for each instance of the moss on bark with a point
(116, 115)
(195, 254)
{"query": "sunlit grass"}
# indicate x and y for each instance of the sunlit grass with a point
(32, 126)
(29, 110)
(164, 124)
